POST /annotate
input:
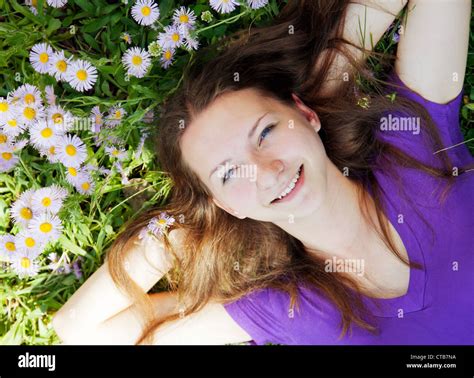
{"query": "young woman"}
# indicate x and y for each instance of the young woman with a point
(306, 211)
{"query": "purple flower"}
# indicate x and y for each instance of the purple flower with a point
(76, 267)
(395, 37)
(157, 226)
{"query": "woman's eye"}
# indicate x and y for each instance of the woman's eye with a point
(226, 176)
(264, 133)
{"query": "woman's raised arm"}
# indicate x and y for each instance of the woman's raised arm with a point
(98, 299)
(432, 51)
(365, 23)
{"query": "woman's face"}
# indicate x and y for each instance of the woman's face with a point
(247, 167)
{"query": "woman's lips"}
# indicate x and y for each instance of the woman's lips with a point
(294, 191)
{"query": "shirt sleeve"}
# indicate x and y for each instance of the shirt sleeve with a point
(255, 314)
(446, 118)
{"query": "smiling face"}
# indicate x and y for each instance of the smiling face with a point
(266, 159)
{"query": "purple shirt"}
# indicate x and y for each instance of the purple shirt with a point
(438, 308)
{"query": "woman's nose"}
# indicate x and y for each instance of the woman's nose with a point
(268, 173)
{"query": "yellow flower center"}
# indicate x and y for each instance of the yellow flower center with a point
(3, 106)
(61, 65)
(51, 150)
(184, 18)
(34, 2)
(118, 114)
(29, 98)
(81, 75)
(137, 60)
(168, 55)
(115, 152)
(10, 246)
(57, 118)
(146, 11)
(46, 201)
(72, 171)
(3, 138)
(162, 221)
(46, 132)
(86, 186)
(29, 113)
(30, 242)
(26, 213)
(175, 37)
(71, 150)
(25, 262)
(6, 155)
(46, 227)
(12, 123)
(43, 57)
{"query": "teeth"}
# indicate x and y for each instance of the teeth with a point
(290, 187)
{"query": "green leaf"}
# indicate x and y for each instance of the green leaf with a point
(86, 5)
(95, 25)
(54, 25)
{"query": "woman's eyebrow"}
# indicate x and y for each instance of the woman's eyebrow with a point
(250, 135)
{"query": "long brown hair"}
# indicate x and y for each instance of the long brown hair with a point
(276, 60)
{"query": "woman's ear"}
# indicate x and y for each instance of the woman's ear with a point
(309, 113)
(227, 209)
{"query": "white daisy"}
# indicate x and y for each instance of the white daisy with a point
(27, 94)
(71, 150)
(50, 96)
(256, 4)
(32, 4)
(84, 183)
(14, 125)
(81, 75)
(190, 42)
(137, 61)
(47, 227)
(59, 65)
(4, 138)
(25, 264)
(172, 37)
(126, 37)
(184, 18)
(48, 199)
(21, 210)
(223, 6)
(61, 119)
(72, 175)
(97, 118)
(30, 114)
(117, 153)
(7, 247)
(115, 116)
(43, 134)
(167, 58)
(145, 12)
(6, 109)
(57, 3)
(27, 241)
(8, 160)
(40, 57)
(50, 153)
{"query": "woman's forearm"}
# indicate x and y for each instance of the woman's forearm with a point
(126, 327)
(99, 299)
